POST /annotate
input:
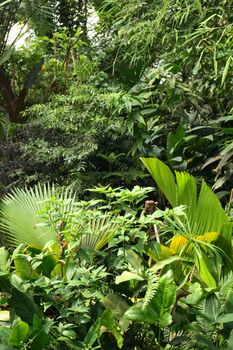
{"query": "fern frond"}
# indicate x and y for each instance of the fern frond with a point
(160, 306)
(206, 326)
(151, 288)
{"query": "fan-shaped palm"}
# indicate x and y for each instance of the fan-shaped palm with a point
(99, 231)
(206, 221)
(20, 211)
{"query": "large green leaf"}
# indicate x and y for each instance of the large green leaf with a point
(209, 216)
(205, 213)
(24, 306)
(161, 264)
(107, 320)
(92, 334)
(212, 307)
(163, 177)
(128, 276)
(160, 306)
(224, 318)
(187, 194)
(19, 333)
(115, 303)
(204, 272)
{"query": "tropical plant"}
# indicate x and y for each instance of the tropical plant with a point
(205, 220)
(28, 205)
(47, 312)
(133, 291)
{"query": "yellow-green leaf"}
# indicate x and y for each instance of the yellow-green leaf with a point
(226, 68)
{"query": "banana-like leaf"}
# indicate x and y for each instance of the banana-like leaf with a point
(160, 306)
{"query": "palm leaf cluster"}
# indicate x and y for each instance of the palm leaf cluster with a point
(206, 230)
(100, 229)
(22, 219)
(204, 211)
(35, 216)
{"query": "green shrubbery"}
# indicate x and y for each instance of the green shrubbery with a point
(106, 273)
(152, 79)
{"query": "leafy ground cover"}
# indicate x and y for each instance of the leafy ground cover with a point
(151, 78)
(106, 274)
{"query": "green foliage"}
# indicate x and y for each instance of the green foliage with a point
(204, 212)
(204, 222)
(108, 281)
(157, 308)
(151, 79)
(28, 204)
(188, 81)
(145, 89)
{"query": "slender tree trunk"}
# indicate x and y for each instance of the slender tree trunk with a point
(9, 102)
(12, 104)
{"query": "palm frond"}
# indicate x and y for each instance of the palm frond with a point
(205, 213)
(209, 215)
(20, 212)
(99, 232)
(163, 177)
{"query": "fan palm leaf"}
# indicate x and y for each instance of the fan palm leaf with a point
(205, 213)
(207, 227)
(20, 212)
(100, 230)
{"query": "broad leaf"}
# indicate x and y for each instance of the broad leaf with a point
(224, 318)
(107, 320)
(163, 177)
(160, 306)
(115, 303)
(160, 264)
(127, 276)
(92, 334)
(24, 306)
(18, 334)
(204, 272)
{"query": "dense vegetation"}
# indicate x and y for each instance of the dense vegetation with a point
(101, 92)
